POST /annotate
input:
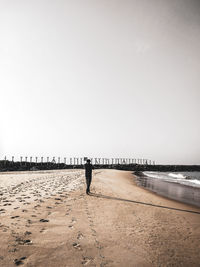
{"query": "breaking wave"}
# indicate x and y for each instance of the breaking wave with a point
(186, 178)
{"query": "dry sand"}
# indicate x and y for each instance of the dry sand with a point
(46, 219)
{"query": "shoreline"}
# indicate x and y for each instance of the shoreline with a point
(119, 224)
(186, 194)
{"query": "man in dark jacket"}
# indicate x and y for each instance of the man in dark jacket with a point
(88, 175)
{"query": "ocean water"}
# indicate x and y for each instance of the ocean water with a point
(184, 178)
(180, 186)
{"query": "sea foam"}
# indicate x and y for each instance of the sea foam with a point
(185, 178)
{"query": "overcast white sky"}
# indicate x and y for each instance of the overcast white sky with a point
(100, 78)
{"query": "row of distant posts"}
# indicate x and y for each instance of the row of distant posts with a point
(82, 160)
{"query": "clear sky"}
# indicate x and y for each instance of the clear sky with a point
(100, 78)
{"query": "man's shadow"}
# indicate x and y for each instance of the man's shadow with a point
(141, 203)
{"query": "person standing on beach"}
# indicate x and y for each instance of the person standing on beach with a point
(88, 175)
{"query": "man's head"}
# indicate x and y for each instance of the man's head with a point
(88, 160)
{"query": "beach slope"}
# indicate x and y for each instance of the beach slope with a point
(119, 224)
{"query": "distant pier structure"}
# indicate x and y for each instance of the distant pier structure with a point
(77, 161)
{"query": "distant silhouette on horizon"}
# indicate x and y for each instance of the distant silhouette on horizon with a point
(88, 175)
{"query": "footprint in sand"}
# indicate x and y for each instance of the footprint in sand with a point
(13, 250)
(19, 261)
(21, 241)
(44, 220)
(7, 204)
(13, 217)
(80, 235)
(73, 220)
(2, 210)
(93, 231)
(77, 246)
(24, 210)
(27, 233)
(86, 260)
(68, 211)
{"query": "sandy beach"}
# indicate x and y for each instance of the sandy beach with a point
(46, 219)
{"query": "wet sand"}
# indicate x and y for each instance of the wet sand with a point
(47, 219)
(176, 191)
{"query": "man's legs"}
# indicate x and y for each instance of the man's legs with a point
(88, 182)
